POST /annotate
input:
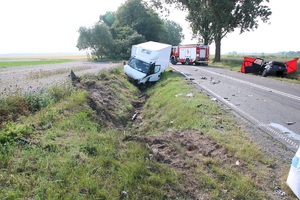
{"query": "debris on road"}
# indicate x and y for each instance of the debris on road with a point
(290, 123)
(212, 81)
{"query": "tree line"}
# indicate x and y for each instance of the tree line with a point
(134, 22)
(137, 21)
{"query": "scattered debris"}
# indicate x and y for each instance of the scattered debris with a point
(22, 140)
(74, 78)
(290, 123)
(237, 163)
(190, 95)
(134, 116)
(212, 81)
(278, 191)
(177, 95)
(124, 193)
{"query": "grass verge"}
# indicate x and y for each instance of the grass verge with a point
(86, 146)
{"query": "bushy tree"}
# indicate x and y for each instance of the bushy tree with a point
(97, 39)
(173, 34)
(134, 22)
(108, 18)
(124, 38)
(143, 20)
(212, 20)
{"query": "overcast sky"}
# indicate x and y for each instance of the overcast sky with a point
(50, 26)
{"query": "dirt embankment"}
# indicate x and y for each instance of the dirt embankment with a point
(184, 151)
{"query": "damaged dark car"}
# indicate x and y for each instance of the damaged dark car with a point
(272, 68)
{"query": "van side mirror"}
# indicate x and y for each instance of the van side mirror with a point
(156, 69)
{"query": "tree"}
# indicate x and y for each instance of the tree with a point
(214, 19)
(173, 33)
(98, 39)
(108, 18)
(134, 22)
(124, 38)
(144, 20)
(84, 39)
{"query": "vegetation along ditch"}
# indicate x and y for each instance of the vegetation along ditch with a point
(101, 138)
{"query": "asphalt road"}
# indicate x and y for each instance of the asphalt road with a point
(270, 105)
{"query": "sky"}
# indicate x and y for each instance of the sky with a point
(51, 26)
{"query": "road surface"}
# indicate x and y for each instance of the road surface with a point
(270, 105)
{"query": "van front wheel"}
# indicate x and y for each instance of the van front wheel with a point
(173, 60)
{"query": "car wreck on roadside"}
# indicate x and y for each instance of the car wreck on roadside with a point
(271, 68)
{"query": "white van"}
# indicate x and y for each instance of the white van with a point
(148, 61)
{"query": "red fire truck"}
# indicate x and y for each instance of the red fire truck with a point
(189, 54)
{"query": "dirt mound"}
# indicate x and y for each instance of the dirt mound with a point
(185, 151)
(104, 100)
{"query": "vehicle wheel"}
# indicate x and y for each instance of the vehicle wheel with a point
(173, 60)
(187, 61)
(284, 75)
(264, 73)
(182, 63)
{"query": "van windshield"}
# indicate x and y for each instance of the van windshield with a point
(139, 65)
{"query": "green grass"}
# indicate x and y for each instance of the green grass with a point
(33, 62)
(72, 155)
(81, 149)
(170, 108)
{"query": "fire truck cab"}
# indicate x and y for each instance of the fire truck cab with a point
(190, 54)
